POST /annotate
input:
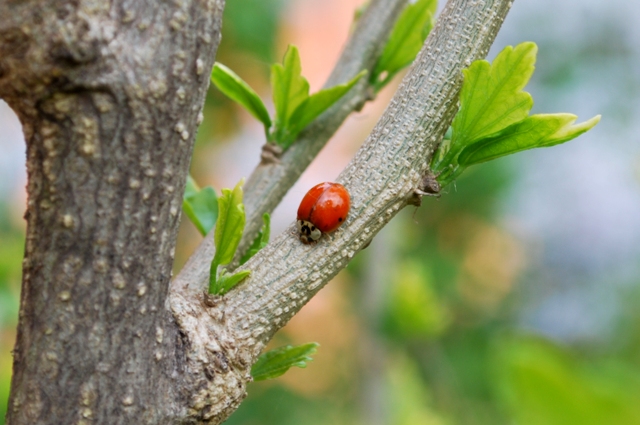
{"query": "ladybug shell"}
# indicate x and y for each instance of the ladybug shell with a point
(326, 206)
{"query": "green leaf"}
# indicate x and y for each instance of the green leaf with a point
(492, 98)
(315, 105)
(290, 89)
(493, 120)
(201, 206)
(235, 88)
(261, 240)
(230, 223)
(295, 109)
(231, 219)
(405, 41)
(227, 281)
(536, 131)
(276, 362)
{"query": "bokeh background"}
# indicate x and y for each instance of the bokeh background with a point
(513, 299)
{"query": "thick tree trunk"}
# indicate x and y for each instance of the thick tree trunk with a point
(109, 95)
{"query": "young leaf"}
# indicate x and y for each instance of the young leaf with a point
(494, 120)
(492, 98)
(235, 88)
(231, 219)
(289, 87)
(315, 105)
(226, 282)
(536, 131)
(276, 362)
(405, 41)
(261, 240)
(201, 206)
(202, 209)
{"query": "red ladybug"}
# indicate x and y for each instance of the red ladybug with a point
(323, 209)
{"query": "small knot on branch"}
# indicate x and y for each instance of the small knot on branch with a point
(271, 154)
(429, 186)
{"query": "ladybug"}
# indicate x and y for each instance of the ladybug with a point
(323, 209)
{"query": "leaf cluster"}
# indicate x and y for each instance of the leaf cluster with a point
(494, 121)
(205, 210)
(406, 40)
(229, 228)
(295, 109)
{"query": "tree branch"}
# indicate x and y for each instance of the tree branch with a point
(271, 180)
(381, 179)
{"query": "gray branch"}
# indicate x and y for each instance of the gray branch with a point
(381, 178)
(271, 180)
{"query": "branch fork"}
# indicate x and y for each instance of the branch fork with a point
(382, 179)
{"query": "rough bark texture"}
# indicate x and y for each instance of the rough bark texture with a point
(109, 95)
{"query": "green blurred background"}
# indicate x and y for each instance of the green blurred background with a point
(513, 299)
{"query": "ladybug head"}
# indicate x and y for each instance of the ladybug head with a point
(307, 232)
